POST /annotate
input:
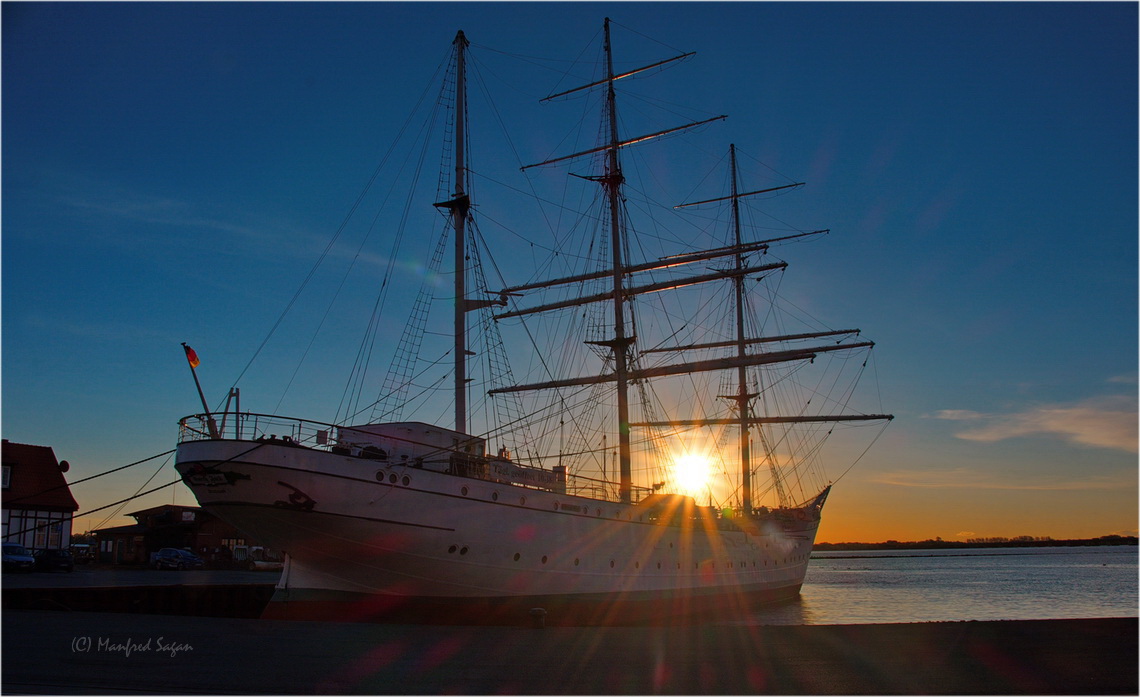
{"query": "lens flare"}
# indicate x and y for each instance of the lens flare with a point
(691, 473)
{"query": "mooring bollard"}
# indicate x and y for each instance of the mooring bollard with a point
(538, 617)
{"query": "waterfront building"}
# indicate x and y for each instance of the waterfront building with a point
(38, 505)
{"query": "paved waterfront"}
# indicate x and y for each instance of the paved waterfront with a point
(99, 653)
(102, 577)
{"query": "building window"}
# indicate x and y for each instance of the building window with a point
(7, 478)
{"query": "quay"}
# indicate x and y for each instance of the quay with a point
(194, 632)
(104, 653)
(205, 592)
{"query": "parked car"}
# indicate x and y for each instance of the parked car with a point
(82, 553)
(171, 558)
(54, 560)
(16, 558)
(257, 558)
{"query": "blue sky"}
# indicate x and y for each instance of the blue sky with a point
(171, 170)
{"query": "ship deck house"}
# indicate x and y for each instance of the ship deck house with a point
(38, 505)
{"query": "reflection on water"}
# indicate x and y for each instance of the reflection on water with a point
(944, 585)
(794, 611)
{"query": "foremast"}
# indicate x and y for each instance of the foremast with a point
(459, 208)
(461, 204)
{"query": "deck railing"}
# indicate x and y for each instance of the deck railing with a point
(322, 436)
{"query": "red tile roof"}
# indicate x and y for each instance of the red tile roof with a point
(35, 480)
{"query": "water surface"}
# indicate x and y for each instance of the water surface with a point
(871, 587)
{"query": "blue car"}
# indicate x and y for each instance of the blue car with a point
(171, 558)
(16, 558)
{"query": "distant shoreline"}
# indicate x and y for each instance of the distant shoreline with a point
(1107, 540)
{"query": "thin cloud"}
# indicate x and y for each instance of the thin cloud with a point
(155, 210)
(105, 201)
(96, 331)
(962, 478)
(1103, 422)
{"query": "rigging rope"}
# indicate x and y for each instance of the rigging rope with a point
(332, 242)
(134, 496)
(65, 485)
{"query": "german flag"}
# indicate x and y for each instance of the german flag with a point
(191, 356)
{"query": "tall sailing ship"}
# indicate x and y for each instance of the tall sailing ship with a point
(575, 504)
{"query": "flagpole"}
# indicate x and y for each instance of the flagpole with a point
(192, 359)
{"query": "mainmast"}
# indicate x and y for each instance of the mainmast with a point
(612, 182)
(625, 286)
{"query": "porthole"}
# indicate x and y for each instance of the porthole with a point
(658, 565)
(544, 559)
(611, 563)
(380, 475)
(637, 565)
(522, 500)
(575, 562)
(598, 513)
(517, 556)
(494, 496)
(451, 549)
(406, 480)
(556, 505)
(392, 478)
(463, 550)
(463, 491)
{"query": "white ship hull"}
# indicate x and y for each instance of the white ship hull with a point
(368, 540)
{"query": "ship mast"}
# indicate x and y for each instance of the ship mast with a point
(623, 290)
(620, 344)
(459, 206)
(743, 397)
(459, 219)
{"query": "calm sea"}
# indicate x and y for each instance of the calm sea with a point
(950, 585)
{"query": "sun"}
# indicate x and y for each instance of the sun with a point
(691, 473)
